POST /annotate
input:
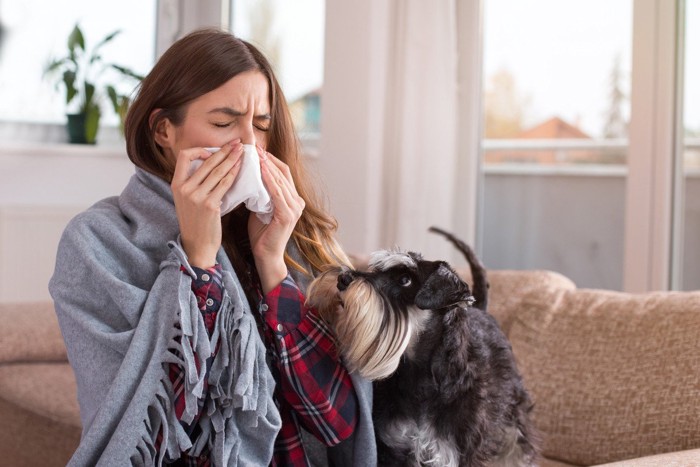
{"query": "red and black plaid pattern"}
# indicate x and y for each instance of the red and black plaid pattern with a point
(207, 287)
(314, 390)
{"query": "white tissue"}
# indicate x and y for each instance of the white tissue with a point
(248, 187)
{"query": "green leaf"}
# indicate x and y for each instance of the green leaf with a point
(89, 95)
(123, 109)
(92, 122)
(54, 65)
(95, 57)
(113, 98)
(127, 72)
(107, 38)
(76, 39)
(69, 81)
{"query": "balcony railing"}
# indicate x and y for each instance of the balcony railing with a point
(569, 217)
(552, 144)
(566, 144)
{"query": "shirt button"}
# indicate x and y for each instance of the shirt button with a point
(280, 328)
(205, 277)
(210, 302)
(264, 307)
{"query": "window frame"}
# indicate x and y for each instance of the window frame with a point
(653, 191)
(653, 185)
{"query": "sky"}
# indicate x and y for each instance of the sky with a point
(561, 53)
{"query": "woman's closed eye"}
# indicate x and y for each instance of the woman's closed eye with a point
(223, 125)
(233, 123)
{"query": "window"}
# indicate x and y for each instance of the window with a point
(556, 110)
(34, 31)
(687, 270)
(291, 36)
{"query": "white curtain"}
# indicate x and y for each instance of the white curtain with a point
(421, 125)
(392, 116)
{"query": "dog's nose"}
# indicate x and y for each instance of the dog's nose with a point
(344, 280)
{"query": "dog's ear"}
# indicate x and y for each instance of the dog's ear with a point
(442, 287)
(451, 369)
(322, 294)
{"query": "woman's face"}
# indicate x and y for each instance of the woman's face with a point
(240, 108)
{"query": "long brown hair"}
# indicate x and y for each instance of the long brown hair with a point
(193, 66)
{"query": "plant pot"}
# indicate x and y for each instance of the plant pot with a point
(82, 127)
(76, 128)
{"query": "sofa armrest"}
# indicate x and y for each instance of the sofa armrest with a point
(687, 458)
(29, 332)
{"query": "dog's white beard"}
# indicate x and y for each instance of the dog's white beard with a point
(372, 340)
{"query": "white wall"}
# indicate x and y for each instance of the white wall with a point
(352, 142)
(41, 189)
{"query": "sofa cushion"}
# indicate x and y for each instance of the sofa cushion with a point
(30, 333)
(48, 389)
(39, 413)
(507, 287)
(687, 458)
(613, 376)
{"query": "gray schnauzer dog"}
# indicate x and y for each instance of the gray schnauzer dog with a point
(446, 388)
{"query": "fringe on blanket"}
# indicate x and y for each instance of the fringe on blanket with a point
(239, 392)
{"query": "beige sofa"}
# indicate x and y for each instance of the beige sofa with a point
(615, 377)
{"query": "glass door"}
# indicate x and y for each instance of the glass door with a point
(687, 222)
(556, 110)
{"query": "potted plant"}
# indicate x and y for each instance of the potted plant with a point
(81, 74)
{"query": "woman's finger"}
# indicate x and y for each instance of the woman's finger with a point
(274, 188)
(217, 173)
(281, 177)
(284, 196)
(211, 158)
(184, 159)
(219, 190)
(281, 167)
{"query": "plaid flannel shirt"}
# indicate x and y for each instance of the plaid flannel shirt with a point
(313, 390)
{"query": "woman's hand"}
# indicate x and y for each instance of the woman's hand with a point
(198, 199)
(269, 241)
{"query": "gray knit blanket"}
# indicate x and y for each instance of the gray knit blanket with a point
(126, 311)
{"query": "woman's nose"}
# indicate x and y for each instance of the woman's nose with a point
(248, 134)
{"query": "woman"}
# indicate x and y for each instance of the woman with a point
(187, 331)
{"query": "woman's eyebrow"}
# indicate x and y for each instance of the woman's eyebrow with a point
(237, 113)
(228, 111)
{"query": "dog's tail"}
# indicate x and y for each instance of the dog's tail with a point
(480, 287)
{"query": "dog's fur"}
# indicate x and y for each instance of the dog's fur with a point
(446, 388)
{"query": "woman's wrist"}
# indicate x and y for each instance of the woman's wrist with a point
(198, 258)
(202, 262)
(271, 273)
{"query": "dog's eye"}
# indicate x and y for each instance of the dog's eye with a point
(405, 281)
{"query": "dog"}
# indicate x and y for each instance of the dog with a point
(447, 391)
